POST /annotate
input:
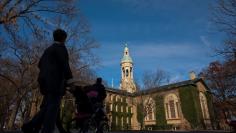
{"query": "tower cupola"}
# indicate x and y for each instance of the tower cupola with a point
(126, 57)
(127, 82)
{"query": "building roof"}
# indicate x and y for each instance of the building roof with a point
(160, 88)
(126, 58)
(120, 92)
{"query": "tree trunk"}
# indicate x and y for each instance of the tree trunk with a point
(12, 118)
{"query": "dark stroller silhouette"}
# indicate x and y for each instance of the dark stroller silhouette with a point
(89, 117)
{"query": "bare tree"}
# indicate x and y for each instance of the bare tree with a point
(11, 11)
(221, 79)
(154, 79)
(224, 16)
(22, 49)
(19, 70)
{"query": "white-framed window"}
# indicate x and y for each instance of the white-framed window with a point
(116, 120)
(122, 121)
(117, 98)
(111, 97)
(111, 118)
(111, 107)
(171, 103)
(121, 108)
(116, 108)
(204, 107)
(149, 108)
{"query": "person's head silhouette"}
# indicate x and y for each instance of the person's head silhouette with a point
(59, 35)
(99, 80)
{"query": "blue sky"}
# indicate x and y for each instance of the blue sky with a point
(173, 35)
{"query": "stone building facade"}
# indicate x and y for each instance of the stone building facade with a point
(180, 106)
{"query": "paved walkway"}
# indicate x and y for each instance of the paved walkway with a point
(174, 132)
(214, 131)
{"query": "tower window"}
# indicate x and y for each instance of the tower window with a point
(127, 72)
(126, 53)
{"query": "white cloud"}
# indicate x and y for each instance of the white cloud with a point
(205, 41)
(111, 53)
(167, 50)
(175, 58)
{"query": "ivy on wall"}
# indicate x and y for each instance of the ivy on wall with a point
(140, 114)
(161, 122)
(190, 105)
(160, 113)
(117, 114)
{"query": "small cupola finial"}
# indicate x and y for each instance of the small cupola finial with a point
(192, 75)
(126, 57)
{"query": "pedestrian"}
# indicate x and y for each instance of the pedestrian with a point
(97, 91)
(97, 94)
(54, 73)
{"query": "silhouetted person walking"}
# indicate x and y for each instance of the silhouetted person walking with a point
(54, 72)
(97, 94)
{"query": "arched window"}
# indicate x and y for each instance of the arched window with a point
(127, 73)
(123, 70)
(171, 106)
(111, 107)
(131, 72)
(203, 103)
(149, 108)
(117, 98)
(111, 97)
(110, 118)
(122, 121)
(116, 120)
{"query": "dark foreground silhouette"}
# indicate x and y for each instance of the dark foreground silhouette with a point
(54, 73)
(90, 115)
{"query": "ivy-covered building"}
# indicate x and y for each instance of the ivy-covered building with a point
(183, 105)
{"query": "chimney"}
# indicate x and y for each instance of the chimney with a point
(192, 75)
